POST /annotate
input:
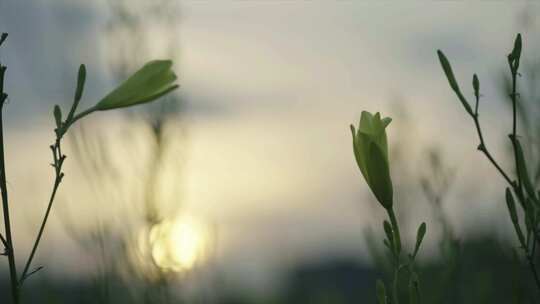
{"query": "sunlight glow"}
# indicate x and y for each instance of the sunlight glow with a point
(179, 245)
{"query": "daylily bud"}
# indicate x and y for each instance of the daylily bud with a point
(152, 81)
(371, 152)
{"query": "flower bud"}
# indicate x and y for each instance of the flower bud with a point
(371, 153)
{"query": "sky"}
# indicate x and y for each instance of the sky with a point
(269, 90)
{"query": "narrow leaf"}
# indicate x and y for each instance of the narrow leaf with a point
(419, 238)
(510, 203)
(81, 78)
(452, 80)
(522, 169)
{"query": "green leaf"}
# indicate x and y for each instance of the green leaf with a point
(152, 81)
(381, 293)
(452, 80)
(81, 78)
(510, 203)
(513, 216)
(419, 238)
(522, 169)
(57, 112)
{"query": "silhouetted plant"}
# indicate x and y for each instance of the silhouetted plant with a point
(370, 145)
(152, 81)
(520, 186)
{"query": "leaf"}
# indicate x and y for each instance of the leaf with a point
(152, 81)
(81, 78)
(452, 80)
(510, 203)
(513, 216)
(419, 238)
(522, 169)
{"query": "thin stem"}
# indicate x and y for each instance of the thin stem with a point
(396, 254)
(482, 147)
(10, 248)
(395, 229)
(58, 159)
(3, 239)
(82, 114)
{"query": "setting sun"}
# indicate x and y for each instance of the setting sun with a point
(179, 244)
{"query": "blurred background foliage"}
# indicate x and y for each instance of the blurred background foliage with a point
(139, 171)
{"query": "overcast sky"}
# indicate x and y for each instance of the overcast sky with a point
(270, 88)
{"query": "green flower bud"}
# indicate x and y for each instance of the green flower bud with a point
(152, 81)
(476, 86)
(371, 153)
(57, 116)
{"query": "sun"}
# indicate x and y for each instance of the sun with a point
(179, 245)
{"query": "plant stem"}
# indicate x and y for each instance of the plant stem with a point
(10, 250)
(395, 229)
(58, 158)
(395, 293)
(396, 254)
(513, 137)
(482, 147)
